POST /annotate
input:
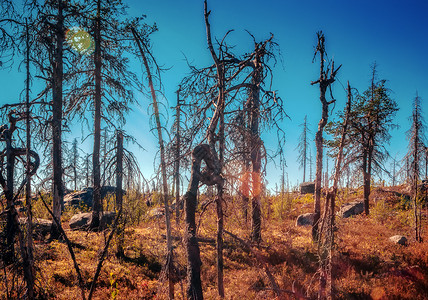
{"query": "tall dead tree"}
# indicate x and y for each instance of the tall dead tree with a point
(119, 192)
(255, 142)
(29, 241)
(217, 119)
(57, 116)
(177, 159)
(324, 81)
(416, 153)
(326, 233)
(169, 260)
(209, 177)
(96, 168)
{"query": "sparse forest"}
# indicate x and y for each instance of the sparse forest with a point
(117, 183)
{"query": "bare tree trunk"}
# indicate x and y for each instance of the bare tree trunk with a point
(367, 181)
(29, 242)
(96, 204)
(177, 162)
(75, 162)
(119, 193)
(326, 278)
(58, 187)
(255, 146)
(169, 261)
(220, 221)
(218, 116)
(324, 81)
(11, 227)
(305, 130)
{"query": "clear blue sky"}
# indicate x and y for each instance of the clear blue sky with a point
(394, 34)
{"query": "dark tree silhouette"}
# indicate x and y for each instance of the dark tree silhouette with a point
(324, 81)
(416, 155)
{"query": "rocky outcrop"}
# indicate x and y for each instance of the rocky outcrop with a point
(351, 209)
(305, 219)
(398, 239)
(84, 197)
(307, 188)
(82, 220)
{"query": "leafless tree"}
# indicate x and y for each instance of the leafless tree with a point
(327, 227)
(324, 81)
(416, 155)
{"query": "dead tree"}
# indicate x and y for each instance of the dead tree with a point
(326, 232)
(177, 159)
(28, 171)
(416, 155)
(324, 82)
(96, 168)
(9, 157)
(169, 262)
(119, 192)
(208, 176)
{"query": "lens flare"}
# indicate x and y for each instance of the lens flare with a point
(80, 40)
(251, 184)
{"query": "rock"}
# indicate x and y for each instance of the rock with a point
(398, 239)
(351, 209)
(305, 219)
(84, 197)
(307, 188)
(81, 220)
(41, 227)
(79, 198)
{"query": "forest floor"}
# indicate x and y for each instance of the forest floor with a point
(366, 265)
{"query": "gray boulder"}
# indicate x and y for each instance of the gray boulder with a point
(305, 219)
(351, 209)
(79, 220)
(82, 220)
(398, 239)
(307, 188)
(41, 227)
(85, 196)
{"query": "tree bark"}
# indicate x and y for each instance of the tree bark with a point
(255, 146)
(177, 162)
(324, 81)
(169, 261)
(208, 176)
(96, 204)
(119, 194)
(29, 243)
(58, 71)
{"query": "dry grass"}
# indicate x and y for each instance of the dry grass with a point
(366, 264)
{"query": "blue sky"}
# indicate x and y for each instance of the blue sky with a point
(394, 34)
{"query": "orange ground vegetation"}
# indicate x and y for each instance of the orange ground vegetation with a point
(366, 264)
